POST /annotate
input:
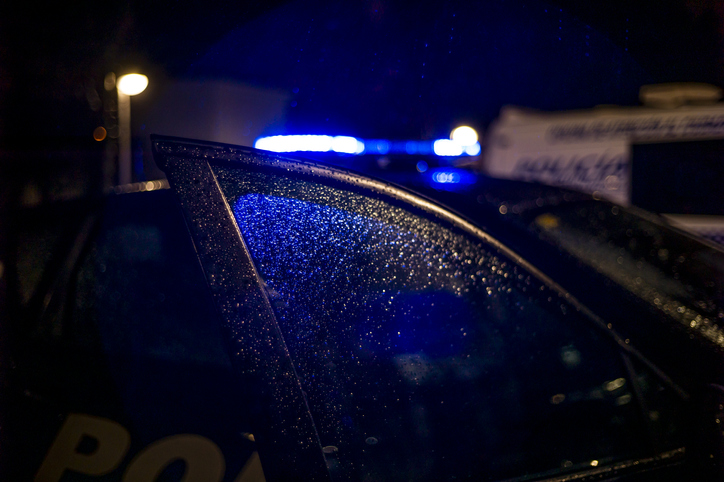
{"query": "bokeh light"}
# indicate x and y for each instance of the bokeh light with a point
(132, 84)
(464, 135)
(99, 133)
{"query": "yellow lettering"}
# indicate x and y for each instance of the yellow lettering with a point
(111, 440)
(203, 458)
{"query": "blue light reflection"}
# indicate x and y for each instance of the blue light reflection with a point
(318, 260)
(452, 176)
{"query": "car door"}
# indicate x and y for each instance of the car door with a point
(391, 339)
(114, 367)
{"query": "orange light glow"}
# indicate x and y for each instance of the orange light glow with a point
(99, 133)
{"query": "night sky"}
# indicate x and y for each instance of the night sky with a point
(369, 68)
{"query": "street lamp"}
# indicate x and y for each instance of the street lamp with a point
(127, 86)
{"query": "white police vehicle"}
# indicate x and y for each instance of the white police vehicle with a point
(665, 157)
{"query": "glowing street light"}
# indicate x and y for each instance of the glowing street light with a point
(132, 84)
(127, 86)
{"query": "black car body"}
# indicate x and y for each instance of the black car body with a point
(341, 327)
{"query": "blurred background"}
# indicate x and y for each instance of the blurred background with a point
(375, 69)
(400, 74)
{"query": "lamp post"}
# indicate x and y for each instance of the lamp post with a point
(127, 86)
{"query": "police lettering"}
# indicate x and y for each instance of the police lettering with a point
(590, 170)
(202, 458)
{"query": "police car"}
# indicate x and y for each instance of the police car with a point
(628, 155)
(274, 319)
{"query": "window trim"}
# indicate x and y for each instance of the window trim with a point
(256, 346)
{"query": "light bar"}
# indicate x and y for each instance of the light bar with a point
(447, 148)
(355, 146)
(339, 144)
(473, 149)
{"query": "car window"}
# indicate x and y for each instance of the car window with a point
(423, 352)
(673, 272)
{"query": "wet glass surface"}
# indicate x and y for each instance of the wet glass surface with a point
(676, 274)
(423, 353)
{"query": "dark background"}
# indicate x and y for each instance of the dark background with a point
(474, 56)
(368, 68)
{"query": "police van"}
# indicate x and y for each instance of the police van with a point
(665, 156)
